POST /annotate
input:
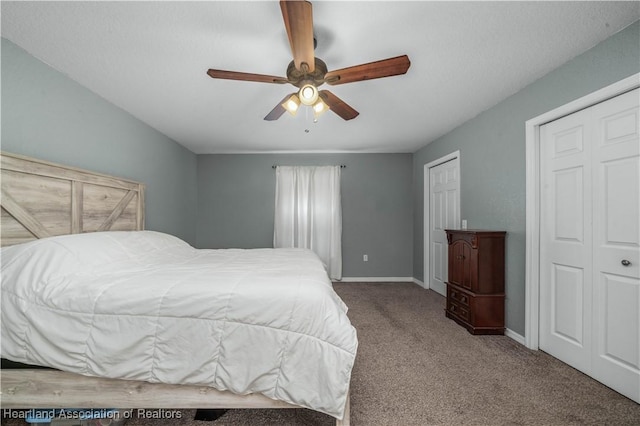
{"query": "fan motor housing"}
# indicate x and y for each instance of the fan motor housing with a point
(300, 78)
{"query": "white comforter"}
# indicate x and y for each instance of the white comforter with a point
(147, 306)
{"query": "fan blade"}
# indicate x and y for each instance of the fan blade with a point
(384, 68)
(278, 110)
(338, 106)
(243, 76)
(298, 21)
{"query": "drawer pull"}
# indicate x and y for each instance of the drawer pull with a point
(455, 295)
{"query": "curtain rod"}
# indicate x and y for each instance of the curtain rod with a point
(342, 166)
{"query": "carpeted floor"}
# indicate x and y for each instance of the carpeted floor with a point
(416, 367)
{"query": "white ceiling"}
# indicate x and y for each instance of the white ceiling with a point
(151, 58)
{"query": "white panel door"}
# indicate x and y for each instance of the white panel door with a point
(616, 257)
(444, 214)
(590, 242)
(566, 240)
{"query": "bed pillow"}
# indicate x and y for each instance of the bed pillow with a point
(48, 258)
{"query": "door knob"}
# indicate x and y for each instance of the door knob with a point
(625, 262)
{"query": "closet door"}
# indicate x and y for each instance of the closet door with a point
(566, 240)
(590, 242)
(616, 256)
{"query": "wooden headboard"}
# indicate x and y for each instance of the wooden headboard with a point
(42, 199)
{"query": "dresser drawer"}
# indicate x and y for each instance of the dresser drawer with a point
(458, 296)
(458, 310)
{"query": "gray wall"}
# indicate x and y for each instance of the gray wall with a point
(492, 149)
(49, 116)
(236, 196)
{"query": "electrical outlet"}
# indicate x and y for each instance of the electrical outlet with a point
(464, 223)
(365, 258)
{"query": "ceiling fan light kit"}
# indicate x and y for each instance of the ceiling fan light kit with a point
(307, 95)
(308, 72)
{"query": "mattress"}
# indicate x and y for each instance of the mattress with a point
(147, 306)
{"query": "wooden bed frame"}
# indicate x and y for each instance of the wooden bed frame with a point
(42, 199)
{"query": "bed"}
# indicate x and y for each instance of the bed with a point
(258, 328)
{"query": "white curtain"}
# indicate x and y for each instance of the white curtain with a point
(308, 213)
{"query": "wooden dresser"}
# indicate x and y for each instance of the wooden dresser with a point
(475, 288)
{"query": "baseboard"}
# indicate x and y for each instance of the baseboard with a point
(377, 279)
(420, 283)
(515, 336)
(383, 280)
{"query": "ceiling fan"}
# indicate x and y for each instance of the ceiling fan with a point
(307, 72)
